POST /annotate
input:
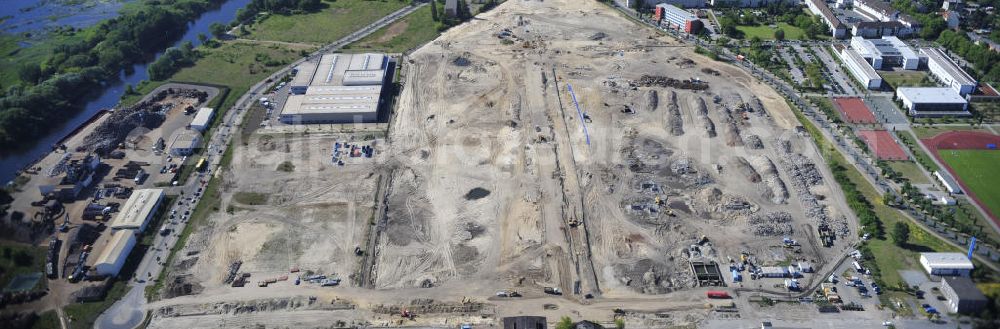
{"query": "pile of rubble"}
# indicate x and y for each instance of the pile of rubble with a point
(701, 111)
(147, 114)
(732, 131)
(743, 167)
(652, 100)
(109, 134)
(776, 223)
(753, 141)
(429, 306)
(776, 190)
(804, 174)
(664, 82)
(726, 206)
(674, 121)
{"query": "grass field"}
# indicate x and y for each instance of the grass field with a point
(910, 171)
(236, 64)
(339, 19)
(16, 259)
(47, 320)
(976, 168)
(898, 79)
(408, 33)
(83, 315)
(889, 257)
(931, 131)
(766, 32)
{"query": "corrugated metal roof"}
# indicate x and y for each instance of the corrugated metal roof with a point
(137, 209)
(119, 246)
(947, 260)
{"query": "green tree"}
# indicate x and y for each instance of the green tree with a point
(900, 233)
(619, 323)
(779, 34)
(565, 323)
(434, 11)
(217, 30)
(29, 73)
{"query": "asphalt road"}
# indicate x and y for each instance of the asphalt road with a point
(129, 312)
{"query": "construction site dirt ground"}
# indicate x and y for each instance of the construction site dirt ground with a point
(493, 180)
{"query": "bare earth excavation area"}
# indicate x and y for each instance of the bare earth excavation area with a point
(491, 180)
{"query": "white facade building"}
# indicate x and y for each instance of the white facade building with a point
(202, 119)
(819, 8)
(345, 88)
(185, 143)
(887, 51)
(948, 182)
(946, 263)
(946, 70)
(860, 69)
(932, 101)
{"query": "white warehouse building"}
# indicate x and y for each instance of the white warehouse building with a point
(932, 101)
(114, 254)
(946, 263)
(860, 69)
(202, 119)
(948, 182)
(886, 52)
(138, 210)
(185, 143)
(944, 69)
(343, 88)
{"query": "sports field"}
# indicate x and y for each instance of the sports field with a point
(976, 169)
(767, 33)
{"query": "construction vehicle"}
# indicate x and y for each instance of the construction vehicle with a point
(405, 313)
(573, 222)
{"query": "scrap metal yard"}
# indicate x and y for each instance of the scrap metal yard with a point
(547, 158)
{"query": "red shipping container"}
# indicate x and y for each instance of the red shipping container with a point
(717, 294)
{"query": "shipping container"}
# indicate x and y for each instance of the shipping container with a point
(717, 294)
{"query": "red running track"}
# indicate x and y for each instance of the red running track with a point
(963, 140)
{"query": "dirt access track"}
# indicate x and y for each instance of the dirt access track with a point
(491, 180)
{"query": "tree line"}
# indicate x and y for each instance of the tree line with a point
(54, 89)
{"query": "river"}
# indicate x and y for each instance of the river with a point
(112, 92)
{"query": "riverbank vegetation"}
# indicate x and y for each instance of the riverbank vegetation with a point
(54, 87)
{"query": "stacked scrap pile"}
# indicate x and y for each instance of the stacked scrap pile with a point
(147, 114)
(776, 223)
(804, 174)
